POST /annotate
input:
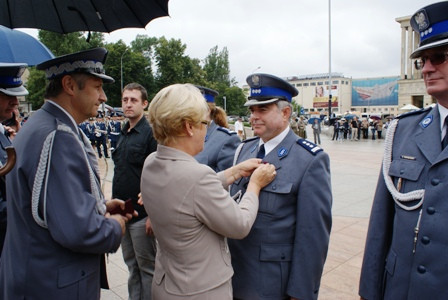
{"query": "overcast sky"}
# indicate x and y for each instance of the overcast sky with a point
(288, 37)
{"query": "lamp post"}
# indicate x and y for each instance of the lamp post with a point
(225, 102)
(329, 59)
(256, 69)
(121, 68)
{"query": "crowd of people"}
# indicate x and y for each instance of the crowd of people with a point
(200, 211)
(357, 129)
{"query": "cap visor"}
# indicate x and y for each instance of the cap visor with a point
(417, 52)
(252, 102)
(17, 91)
(104, 77)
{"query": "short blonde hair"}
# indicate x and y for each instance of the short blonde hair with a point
(171, 107)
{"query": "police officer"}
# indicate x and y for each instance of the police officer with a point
(113, 131)
(101, 136)
(10, 88)
(406, 253)
(284, 254)
(220, 142)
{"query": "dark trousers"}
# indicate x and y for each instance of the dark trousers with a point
(99, 142)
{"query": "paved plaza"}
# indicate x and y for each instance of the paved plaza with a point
(355, 167)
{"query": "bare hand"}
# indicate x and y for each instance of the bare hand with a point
(263, 175)
(140, 199)
(246, 167)
(148, 227)
(11, 131)
(120, 219)
(114, 203)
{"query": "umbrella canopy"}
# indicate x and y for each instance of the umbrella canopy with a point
(375, 117)
(311, 120)
(65, 16)
(409, 107)
(350, 116)
(19, 47)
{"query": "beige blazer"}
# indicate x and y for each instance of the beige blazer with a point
(192, 213)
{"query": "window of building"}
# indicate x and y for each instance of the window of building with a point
(320, 83)
(313, 83)
(336, 82)
(299, 84)
(306, 84)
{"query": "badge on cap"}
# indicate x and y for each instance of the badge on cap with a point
(422, 20)
(255, 81)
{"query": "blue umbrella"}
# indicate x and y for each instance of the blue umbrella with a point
(311, 120)
(350, 116)
(20, 47)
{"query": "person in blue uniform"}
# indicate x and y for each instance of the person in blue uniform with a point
(284, 254)
(101, 136)
(11, 86)
(406, 253)
(113, 131)
(220, 142)
(59, 224)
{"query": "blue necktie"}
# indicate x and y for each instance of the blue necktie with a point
(445, 139)
(261, 152)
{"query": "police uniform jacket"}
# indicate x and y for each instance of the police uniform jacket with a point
(101, 130)
(285, 251)
(63, 260)
(219, 148)
(4, 142)
(391, 269)
(191, 213)
(114, 130)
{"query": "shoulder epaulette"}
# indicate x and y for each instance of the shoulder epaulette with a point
(310, 147)
(251, 139)
(226, 130)
(414, 112)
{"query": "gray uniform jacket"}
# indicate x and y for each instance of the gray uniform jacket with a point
(285, 251)
(63, 260)
(219, 148)
(390, 269)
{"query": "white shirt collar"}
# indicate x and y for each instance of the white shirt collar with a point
(66, 112)
(443, 111)
(272, 143)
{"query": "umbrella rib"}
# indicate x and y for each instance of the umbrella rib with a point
(59, 16)
(99, 16)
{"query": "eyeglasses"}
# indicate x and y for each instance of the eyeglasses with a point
(435, 59)
(206, 123)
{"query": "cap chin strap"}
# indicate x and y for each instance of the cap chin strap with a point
(399, 198)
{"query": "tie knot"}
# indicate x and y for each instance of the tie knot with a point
(261, 152)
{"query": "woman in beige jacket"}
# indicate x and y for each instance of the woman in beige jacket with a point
(188, 203)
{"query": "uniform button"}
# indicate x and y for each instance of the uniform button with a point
(431, 210)
(401, 172)
(435, 181)
(283, 256)
(421, 269)
(425, 240)
(83, 273)
(274, 187)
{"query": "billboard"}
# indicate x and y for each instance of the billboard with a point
(321, 96)
(376, 91)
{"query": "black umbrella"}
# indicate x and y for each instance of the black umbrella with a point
(65, 16)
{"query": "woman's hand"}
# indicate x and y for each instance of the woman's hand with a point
(261, 177)
(243, 169)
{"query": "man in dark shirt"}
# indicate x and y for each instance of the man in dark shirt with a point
(136, 142)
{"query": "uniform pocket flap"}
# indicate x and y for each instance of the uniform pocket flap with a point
(406, 169)
(390, 262)
(276, 252)
(73, 273)
(278, 187)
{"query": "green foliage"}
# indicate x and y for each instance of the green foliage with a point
(153, 62)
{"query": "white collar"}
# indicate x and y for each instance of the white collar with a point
(66, 112)
(272, 143)
(443, 111)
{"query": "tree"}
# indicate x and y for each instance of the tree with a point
(235, 100)
(59, 44)
(216, 66)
